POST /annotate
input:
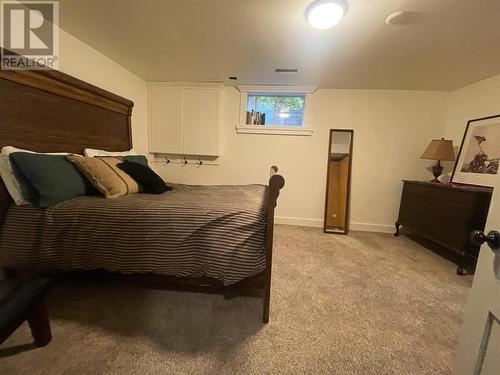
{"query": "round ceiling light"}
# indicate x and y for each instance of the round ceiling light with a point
(323, 14)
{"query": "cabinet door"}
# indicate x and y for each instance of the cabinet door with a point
(165, 119)
(200, 115)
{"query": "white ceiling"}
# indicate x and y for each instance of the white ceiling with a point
(450, 43)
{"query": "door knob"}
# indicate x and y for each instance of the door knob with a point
(492, 238)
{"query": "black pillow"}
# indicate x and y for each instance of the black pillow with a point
(136, 159)
(147, 179)
(47, 180)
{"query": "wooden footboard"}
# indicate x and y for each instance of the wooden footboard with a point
(276, 183)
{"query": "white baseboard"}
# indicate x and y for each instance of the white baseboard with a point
(303, 222)
(298, 221)
(369, 227)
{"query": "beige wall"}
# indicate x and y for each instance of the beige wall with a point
(83, 62)
(392, 128)
(480, 99)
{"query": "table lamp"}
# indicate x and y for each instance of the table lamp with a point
(439, 149)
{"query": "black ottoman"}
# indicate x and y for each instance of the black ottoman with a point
(22, 300)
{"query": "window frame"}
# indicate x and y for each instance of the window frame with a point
(245, 90)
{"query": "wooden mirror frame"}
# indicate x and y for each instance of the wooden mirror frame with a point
(347, 210)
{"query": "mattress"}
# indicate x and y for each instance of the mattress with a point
(191, 231)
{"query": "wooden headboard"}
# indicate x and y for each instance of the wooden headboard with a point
(49, 111)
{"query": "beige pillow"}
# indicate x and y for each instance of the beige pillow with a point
(106, 177)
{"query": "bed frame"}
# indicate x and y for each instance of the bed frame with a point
(49, 111)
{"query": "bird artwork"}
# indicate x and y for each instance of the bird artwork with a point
(480, 139)
(481, 163)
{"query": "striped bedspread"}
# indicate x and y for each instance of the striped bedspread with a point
(213, 231)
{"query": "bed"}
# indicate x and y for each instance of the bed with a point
(200, 235)
(191, 231)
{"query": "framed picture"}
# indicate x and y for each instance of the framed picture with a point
(477, 162)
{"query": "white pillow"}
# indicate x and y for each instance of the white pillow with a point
(92, 152)
(10, 181)
(8, 175)
(7, 150)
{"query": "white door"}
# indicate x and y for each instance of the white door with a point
(478, 351)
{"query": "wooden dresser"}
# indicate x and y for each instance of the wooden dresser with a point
(445, 214)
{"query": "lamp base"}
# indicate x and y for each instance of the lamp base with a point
(436, 171)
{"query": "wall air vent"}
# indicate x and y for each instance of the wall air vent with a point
(281, 70)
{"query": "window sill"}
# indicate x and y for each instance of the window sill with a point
(274, 130)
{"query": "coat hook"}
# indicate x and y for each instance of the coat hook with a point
(200, 162)
(167, 160)
(185, 161)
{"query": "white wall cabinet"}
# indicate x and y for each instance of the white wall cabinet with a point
(185, 119)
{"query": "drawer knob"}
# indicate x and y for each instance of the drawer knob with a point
(492, 238)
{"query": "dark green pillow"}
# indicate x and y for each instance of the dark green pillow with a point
(48, 179)
(141, 159)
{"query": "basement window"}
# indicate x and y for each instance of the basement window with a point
(274, 110)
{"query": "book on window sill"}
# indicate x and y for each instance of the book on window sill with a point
(255, 118)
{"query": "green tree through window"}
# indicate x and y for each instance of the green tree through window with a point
(279, 109)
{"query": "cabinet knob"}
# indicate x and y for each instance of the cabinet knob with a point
(492, 238)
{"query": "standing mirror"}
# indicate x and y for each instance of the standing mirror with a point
(338, 181)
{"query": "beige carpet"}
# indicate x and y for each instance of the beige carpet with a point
(362, 304)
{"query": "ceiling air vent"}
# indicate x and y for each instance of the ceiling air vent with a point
(281, 70)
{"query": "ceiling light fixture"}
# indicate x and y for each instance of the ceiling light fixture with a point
(323, 14)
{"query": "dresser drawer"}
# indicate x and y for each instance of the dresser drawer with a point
(446, 214)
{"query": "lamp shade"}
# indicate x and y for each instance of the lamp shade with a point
(439, 149)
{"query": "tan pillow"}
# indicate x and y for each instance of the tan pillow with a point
(106, 177)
